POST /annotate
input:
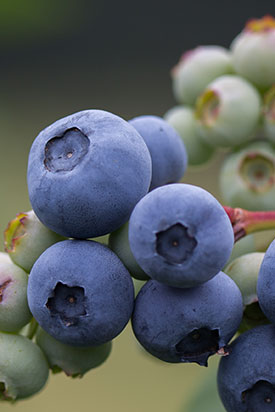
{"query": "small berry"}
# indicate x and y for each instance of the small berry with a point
(196, 69)
(167, 150)
(253, 52)
(247, 177)
(183, 120)
(228, 111)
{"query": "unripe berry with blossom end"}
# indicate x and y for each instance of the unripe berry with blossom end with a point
(196, 69)
(253, 52)
(228, 111)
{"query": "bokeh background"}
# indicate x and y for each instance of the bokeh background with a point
(62, 56)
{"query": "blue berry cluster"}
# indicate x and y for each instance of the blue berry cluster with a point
(65, 294)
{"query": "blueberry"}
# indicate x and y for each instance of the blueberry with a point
(246, 378)
(26, 238)
(74, 361)
(196, 69)
(86, 172)
(80, 293)
(180, 235)
(14, 309)
(266, 283)
(247, 177)
(23, 367)
(228, 111)
(168, 154)
(187, 325)
(253, 52)
(183, 120)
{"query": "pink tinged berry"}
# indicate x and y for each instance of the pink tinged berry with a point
(14, 310)
(196, 69)
(253, 52)
(26, 238)
(228, 112)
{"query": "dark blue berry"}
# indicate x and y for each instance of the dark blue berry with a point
(167, 150)
(187, 325)
(80, 293)
(246, 378)
(86, 172)
(180, 235)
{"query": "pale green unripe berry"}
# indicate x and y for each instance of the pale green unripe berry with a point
(255, 242)
(26, 238)
(247, 177)
(244, 271)
(14, 309)
(119, 243)
(183, 120)
(74, 361)
(253, 52)
(228, 112)
(269, 114)
(23, 367)
(196, 69)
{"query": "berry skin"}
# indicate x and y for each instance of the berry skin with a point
(244, 271)
(266, 284)
(253, 52)
(180, 235)
(246, 378)
(196, 69)
(228, 112)
(86, 172)
(74, 361)
(168, 154)
(269, 114)
(247, 177)
(187, 325)
(119, 243)
(26, 238)
(14, 309)
(80, 293)
(183, 120)
(23, 368)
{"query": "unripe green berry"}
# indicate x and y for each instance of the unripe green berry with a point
(119, 243)
(26, 238)
(196, 69)
(74, 361)
(14, 309)
(244, 271)
(253, 52)
(183, 120)
(228, 112)
(23, 367)
(247, 177)
(269, 114)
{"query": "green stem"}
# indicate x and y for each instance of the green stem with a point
(32, 329)
(245, 222)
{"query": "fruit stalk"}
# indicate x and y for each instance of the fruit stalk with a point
(245, 222)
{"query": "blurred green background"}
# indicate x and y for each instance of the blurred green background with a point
(58, 57)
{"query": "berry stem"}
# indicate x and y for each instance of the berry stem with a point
(245, 222)
(32, 329)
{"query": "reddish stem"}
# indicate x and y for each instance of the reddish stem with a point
(245, 222)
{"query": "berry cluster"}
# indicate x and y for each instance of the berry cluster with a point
(93, 174)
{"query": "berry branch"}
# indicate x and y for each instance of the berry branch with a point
(245, 222)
